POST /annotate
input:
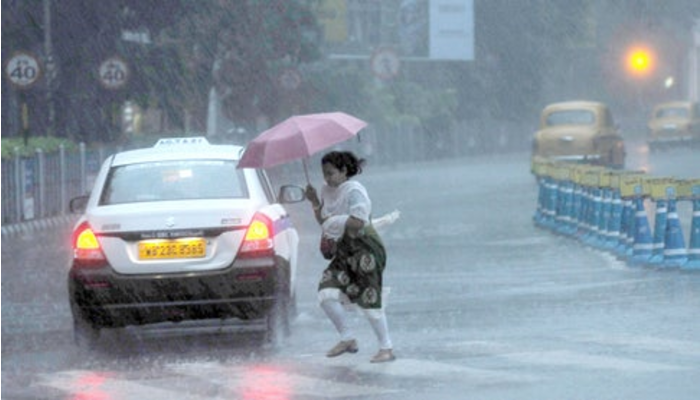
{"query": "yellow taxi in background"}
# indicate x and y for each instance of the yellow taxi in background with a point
(674, 123)
(579, 131)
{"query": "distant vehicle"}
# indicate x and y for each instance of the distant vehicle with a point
(581, 132)
(674, 124)
(176, 232)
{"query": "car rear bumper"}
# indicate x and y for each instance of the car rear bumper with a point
(246, 289)
(671, 139)
(583, 158)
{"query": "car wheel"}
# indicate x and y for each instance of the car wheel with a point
(279, 317)
(293, 309)
(85, 335)
(278, 323)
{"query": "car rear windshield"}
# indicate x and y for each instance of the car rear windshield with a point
(174, 180)
(571, 117)
(677, 112)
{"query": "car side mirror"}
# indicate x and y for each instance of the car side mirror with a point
(78, 204)
(291, 194)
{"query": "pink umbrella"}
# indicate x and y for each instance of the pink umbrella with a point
(299, 137)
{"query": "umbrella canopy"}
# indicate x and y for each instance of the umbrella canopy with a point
(299, 137)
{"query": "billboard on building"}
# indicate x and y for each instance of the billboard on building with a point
(332, 15)
(418, 29)
(452, 30)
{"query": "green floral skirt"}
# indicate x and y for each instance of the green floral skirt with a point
(357, 269)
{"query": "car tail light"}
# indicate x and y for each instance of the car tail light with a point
(86, 247)
(258, 237)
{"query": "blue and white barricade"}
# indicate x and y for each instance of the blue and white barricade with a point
(607, 209)
(694, 245)
(690, 190)
(591, 205)
(669, 245)
(675, 253)
(613, 227)
(637, 236)
(576, 202)
(540, 169)
(660, 218)
(626, 224)
(642, 245)
(658, 194)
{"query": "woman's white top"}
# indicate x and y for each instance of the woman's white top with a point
(349, 198)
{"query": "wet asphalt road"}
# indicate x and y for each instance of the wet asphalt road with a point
(482, 305)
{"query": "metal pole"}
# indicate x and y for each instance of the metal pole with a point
(50, 68)
(19, 188)
(62, 172)
(83, 166)
(694, 65)
(41, 181)
(25, 118)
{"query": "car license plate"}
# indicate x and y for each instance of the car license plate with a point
(169, 249)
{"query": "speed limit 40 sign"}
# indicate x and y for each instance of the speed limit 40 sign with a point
(113, 73)
(23, 70)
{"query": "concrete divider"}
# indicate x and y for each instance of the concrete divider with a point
(610, 209)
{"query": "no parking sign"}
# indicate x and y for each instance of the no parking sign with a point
(385, 63)
(290, 79)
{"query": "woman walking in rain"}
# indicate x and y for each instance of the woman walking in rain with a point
(355, 250)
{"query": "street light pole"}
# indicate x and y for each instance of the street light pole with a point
(694, 65)
(50, 68)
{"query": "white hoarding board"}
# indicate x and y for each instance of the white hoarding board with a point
(452, 30)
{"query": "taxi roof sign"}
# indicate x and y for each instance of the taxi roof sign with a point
(182, 141)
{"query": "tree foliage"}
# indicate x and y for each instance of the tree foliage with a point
(237, 46)
(527, 52)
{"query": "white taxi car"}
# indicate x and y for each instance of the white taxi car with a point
(177, 232)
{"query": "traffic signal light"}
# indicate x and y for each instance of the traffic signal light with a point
(640, 61)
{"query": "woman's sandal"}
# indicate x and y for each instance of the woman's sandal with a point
(344, 346)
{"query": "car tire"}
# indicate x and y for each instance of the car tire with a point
(85, 335)
(279, 318)
(278, 323)
(293, 308)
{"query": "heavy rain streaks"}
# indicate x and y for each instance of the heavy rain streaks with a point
(485, 302)
(482, 302)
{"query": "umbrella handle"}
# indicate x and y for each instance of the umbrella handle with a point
(306, 170)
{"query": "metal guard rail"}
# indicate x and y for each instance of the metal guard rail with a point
(40, 187)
